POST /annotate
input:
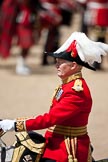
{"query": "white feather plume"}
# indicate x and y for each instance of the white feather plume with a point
(89, 51)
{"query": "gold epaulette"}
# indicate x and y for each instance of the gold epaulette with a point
(78, 85)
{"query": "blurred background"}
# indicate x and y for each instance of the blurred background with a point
(28, 78)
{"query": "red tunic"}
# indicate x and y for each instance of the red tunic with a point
(23, 29)
(97, 13)
(69, 108)
(7, 25)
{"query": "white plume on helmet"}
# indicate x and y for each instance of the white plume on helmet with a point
(89, 51)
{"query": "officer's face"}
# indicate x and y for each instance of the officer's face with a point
(65, 68)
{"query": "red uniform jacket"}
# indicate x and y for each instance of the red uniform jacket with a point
(70, 107)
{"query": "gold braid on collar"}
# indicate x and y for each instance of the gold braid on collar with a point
(72, 77)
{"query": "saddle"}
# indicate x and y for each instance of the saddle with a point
(29, 146)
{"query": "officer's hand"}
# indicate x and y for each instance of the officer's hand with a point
(7, 125)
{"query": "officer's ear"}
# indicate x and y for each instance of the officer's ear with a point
(74, 65)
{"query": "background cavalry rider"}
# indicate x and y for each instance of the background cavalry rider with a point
(67, 139)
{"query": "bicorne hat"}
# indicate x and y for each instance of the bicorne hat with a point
(79, 48)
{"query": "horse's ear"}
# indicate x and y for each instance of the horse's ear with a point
(2, 133)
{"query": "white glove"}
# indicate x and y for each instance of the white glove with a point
(7, 125)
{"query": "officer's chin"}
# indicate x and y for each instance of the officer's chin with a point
(59, 74)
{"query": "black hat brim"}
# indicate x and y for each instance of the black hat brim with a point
(67, 56)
